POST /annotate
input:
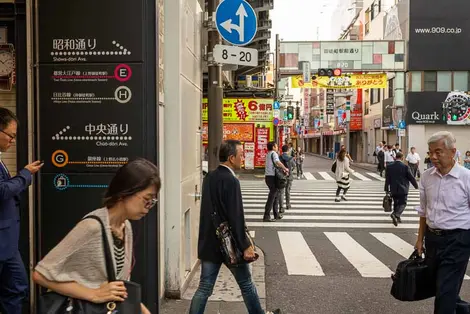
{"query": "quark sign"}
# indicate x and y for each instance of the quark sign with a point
(429, 108)
(425, 118)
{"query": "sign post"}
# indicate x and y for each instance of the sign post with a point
(236, 22)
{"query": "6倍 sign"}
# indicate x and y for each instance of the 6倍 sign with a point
(243, 110)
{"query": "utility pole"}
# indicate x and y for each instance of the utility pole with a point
(215, 92)
(348, 123)
(276, 83)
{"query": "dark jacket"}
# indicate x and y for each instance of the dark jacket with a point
(289, 163)
(10, 189)
(398, 178)
(221, 188)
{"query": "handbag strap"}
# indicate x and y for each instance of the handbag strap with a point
(107, 250)
(272, 158)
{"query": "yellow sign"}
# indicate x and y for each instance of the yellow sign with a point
(244, 110)
(353, 81)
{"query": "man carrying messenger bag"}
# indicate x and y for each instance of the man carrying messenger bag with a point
(223, 236)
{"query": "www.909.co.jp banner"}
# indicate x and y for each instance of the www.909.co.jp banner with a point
(353, 81)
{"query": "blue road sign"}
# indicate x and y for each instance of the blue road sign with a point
(276, 105)
(276, 121)
(401, 124)
(236, 21)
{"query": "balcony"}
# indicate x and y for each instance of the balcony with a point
(262, 5)
(264, 24)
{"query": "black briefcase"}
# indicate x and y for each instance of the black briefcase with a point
(387, 203)
(412, 280)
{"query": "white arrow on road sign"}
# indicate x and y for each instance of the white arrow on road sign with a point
(226, 16)
(241, 13)
(235, 55)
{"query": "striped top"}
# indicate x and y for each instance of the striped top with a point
(79, 256)
(119, 253)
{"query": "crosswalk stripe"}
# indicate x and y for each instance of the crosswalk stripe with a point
(319, 206)
(365, 263)
(338, 218)
(309, 176)
(326, 176)
(323, 197)
(397, 244)
(298, 256)
(329, 200)
(360, 176)
(349, 225)
(376, 176)
(334, 211)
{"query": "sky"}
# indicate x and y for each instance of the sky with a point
(297, 20)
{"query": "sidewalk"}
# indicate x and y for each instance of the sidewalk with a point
(226, 298)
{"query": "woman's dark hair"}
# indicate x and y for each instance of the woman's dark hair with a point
(468, 152)
(342, 154)
(133, 177)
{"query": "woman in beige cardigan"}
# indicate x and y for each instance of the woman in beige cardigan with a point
(342, 175)
(76, 266)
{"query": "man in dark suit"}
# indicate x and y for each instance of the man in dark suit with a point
(13, 279)
(397, 181)
(221, 193)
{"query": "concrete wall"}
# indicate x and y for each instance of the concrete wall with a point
(181, 143)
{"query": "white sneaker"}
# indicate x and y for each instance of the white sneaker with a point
(337, 199)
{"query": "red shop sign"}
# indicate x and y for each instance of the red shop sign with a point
(261, 146)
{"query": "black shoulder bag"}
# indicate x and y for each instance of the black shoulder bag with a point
(231, 254)
(280, 176)
(54, 303)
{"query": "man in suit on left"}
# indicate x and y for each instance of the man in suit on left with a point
(13, 279)
(397, 181)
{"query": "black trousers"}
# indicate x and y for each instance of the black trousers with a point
(399, 204)
(273, 198)
(414, 169)
(447, 257)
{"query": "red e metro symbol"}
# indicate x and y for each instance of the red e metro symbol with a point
(123, 73)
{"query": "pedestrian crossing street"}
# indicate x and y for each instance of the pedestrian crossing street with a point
(313, 206)
(330, 176)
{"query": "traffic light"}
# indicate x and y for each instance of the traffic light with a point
(290, 112)
(297, 112)
(329, 72)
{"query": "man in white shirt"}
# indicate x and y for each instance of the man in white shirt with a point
(413, 161)
(445, 223)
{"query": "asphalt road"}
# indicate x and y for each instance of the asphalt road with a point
(332, 258)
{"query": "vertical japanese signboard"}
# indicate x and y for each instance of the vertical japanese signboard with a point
(91, 104)
(261, 146)
(330, 101)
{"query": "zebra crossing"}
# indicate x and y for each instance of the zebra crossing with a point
(330, 176)
(313, 206)
(323, 253)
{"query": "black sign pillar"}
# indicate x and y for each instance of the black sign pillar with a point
(97, 109)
